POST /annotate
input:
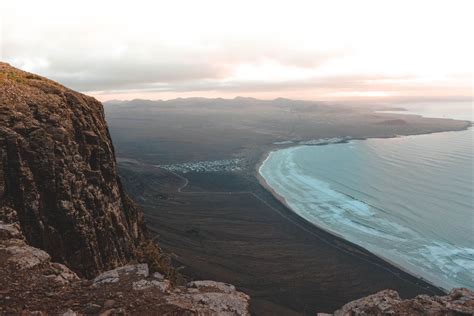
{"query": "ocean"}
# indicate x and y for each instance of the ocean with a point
(409, 200)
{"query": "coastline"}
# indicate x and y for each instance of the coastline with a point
(347, 139)
(280, 198)
(261, 180)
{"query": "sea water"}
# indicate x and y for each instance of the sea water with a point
(407, 199)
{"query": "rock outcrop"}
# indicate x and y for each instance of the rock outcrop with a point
(388, 302)
(31, 284)
(58, 173)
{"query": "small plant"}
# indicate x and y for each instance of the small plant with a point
(158, 261)
(16, 77)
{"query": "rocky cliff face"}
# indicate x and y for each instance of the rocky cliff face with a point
(57, 172)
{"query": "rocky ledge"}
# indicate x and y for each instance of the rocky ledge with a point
(457, 303)
(32, 284)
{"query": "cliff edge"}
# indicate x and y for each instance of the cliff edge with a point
(65, 219)
(58, 173)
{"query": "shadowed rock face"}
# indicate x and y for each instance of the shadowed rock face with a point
(58, 173)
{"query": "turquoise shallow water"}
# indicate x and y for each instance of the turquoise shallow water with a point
(408, 199)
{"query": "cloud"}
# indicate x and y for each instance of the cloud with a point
(241, 47)
(361, 87)
(103, 63)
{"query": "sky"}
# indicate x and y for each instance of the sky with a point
(318, 50)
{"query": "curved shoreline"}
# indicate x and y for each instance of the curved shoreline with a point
(264, 157)
(282, 200)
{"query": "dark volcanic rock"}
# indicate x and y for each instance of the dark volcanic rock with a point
(58, 173)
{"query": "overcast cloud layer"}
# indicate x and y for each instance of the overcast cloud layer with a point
(299, 49)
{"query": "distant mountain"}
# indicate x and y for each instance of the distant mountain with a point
(237, 101)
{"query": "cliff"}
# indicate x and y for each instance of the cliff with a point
(64, 217)
(58, 173)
